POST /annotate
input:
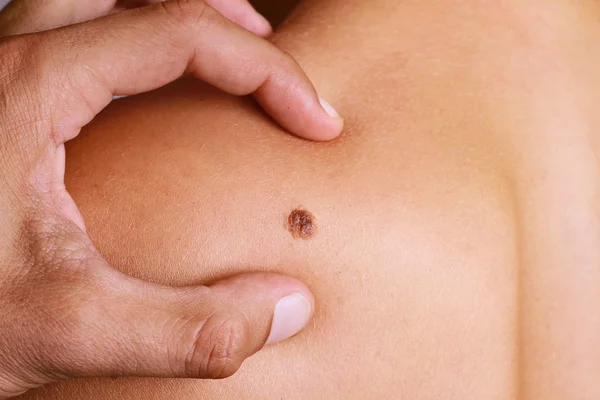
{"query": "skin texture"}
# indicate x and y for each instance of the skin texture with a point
(26, 16)
(66, 312)
(457, 245)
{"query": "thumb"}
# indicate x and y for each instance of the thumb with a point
(137, 328)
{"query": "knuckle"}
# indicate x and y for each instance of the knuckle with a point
(185, 11)
(220, 347)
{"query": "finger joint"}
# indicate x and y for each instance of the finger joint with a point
(185, 11)
(219, 348)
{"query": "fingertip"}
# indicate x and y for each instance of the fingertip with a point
(334, 129)
(335, 123)
(261, 284)
(328, 108)
(291, 315)
(284, 304)
(314, 119)
(293, 309)
(330, 125)
(243, 14)
(260, 26)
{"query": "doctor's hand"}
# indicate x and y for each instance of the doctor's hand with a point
(25, 16)
(64, 311)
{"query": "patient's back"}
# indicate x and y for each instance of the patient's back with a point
(419, 227)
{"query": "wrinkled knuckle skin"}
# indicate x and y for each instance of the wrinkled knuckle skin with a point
(219, 349)
(185, 11)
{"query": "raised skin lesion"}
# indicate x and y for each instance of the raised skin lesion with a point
(301, 224)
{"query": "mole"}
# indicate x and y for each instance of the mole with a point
(301, 224)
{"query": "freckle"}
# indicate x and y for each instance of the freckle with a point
(301, 224)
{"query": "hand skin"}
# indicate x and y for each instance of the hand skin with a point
(65, 311)
(26, 16)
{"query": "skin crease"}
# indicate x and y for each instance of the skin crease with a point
(458, 228)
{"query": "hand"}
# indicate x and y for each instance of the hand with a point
(25, 16)
(64, 311)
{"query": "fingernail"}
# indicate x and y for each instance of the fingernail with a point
(328, 108)
(291, 315)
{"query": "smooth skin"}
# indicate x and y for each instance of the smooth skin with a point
(65, 311)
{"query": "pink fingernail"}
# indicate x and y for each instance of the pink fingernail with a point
(291, 315)
(328, 108)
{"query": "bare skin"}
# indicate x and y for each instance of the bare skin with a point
(456, 250)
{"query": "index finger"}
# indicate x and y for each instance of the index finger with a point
(83, 66)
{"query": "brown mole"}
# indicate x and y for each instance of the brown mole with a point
(301, 224)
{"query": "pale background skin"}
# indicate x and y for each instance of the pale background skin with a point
(458, 232)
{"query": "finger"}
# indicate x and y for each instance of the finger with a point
(242, 13)
(89, 66)
(26, 16)
(239, 11)
(129, 327)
